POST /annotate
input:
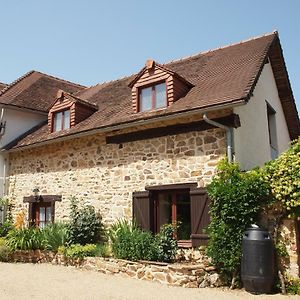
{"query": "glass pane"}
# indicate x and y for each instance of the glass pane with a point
(42, 217)
(161, 95)
(164, 209)
(48, 214)
(146, 99)
(183, 216)
(67, 119)
(57, 121)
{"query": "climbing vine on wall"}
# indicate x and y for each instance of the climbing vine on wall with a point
(283, 175)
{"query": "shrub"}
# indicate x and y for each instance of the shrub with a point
(7, 225)
(26, 239)
(54, 235)
(80, 251)
(4, 250)
(85, 225)
(236, 199)
(130, 242)
(293, 285)
(166, 245)
(103, 250)
(5, 228)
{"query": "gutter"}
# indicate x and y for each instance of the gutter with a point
(141, 122)
(228, 135)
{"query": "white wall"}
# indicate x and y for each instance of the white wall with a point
(17, 123)
(251, 140)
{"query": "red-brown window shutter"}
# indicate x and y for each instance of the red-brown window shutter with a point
(199, 216)
(143, 210)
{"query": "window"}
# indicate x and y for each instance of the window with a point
(42, 214)
(153, 97)
(41, 209)
(272, 131)
(174, 207)
(61, 120)
(181, 204)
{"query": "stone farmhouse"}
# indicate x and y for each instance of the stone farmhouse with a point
(145, 146)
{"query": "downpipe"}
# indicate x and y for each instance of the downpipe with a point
(228, 135)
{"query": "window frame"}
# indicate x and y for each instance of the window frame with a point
(174, 209)
(54, 113)
(272, 130)
(153, 96)
(36, 213)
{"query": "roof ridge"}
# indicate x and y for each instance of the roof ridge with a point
(275, 32)
(9, 86)
(60, 79)
(108, 82)
(183, 58)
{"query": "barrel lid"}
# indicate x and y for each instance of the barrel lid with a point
(253, 233)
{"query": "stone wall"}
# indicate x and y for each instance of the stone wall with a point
(105, 175)
(186, 275)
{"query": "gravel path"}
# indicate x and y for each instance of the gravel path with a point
(29, 281)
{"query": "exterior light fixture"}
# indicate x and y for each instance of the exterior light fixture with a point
(36, 194)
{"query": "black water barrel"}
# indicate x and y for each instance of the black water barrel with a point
(257, 261)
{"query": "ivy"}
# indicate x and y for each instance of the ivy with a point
(283, 174)
(237, 198)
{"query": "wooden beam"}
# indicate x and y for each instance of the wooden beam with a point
(231, 121)
(42, 198)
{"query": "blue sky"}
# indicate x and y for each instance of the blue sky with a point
(94, 41)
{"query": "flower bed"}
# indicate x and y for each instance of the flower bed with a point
(177, 274)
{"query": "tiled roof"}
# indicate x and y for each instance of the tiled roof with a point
(35, 91)
(2, 85)
(222, 76)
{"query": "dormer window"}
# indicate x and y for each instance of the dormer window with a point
(156, 86)
(67, 111)
(153, 97)
(61, 120)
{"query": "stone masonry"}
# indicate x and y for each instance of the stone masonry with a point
(105, 175)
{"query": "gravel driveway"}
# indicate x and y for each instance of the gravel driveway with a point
(45, 281)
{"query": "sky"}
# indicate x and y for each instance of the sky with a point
(92, 41)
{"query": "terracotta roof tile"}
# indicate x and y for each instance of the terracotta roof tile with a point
(2, 85)
(222, 76)
(35, 91)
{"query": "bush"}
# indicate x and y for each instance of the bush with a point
(4, 251)
(293, 285)
(102, 250)
(79, 251)
(5, 228)
(54, 235)
(8, 221)
(26, 239)
(130, 242)
(85, 225)
(236, 199)
(166, 245)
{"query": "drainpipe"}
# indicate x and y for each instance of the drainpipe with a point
(2, 124)
(2, 132)
(228, 135)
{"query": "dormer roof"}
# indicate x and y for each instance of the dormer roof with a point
(150, 65)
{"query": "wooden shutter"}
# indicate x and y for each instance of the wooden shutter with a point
(199, 216)
(52, 211)
(142, 210)
(31, 209)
